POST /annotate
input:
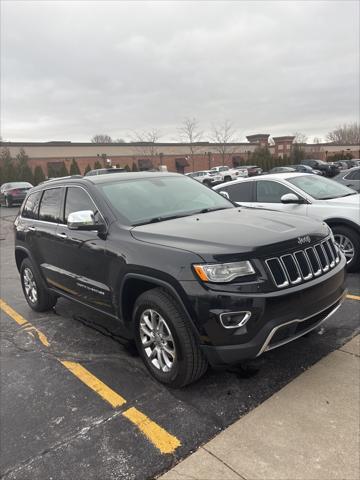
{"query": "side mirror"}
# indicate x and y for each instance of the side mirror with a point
(291, 198)
(225, 194)
(84, 220)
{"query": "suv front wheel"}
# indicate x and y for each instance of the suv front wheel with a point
(36, 295)
(165, 340)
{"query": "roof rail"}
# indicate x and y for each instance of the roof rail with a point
(60, 178)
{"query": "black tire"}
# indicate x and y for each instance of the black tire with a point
(44, 301)
(227, 178)
(207, 183)
(341, 230)
(189, 363)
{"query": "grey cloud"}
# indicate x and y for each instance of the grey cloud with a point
(70, 70)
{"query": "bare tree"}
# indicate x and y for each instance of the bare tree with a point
(101, 138)
(300, 137)
(223, 135)
(346, 134)
(147, 142)
(317, 140)
(190, 133)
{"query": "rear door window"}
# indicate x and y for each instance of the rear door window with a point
(353, 175)
(31, 206)
(50, 205)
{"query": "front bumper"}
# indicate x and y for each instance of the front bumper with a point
(278, 336)
(276, 318)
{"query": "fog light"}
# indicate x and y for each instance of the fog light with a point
(234, 319)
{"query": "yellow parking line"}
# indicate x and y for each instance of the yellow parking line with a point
(353, 297)
(163, 440)
(30, 328)
(94, 383)
(157, 435)
(14, 315)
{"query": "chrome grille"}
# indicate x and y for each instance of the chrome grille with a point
(297, 267)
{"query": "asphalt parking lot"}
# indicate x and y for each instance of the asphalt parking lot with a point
(78, 403)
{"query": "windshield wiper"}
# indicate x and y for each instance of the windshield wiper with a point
(207, 210)
(160, 219)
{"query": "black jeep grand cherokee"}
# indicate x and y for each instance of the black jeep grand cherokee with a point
(193, 279)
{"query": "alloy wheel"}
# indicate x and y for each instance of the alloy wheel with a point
(157, 340)
(345, 245)
(30, 285)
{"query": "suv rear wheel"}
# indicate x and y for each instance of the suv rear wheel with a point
(349, 243)
(36, 295)
(165, 340)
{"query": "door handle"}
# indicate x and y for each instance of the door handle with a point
(32, 229)
(62, 235)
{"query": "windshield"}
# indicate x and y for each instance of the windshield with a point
(147, 200)
(321, 188)
(19, 185)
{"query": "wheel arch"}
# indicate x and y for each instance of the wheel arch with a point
(334, 221)
(20, 254)
(134, 284)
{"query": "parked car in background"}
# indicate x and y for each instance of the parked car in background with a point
(13, 193)
(188, 277)
(327, 169)
(252, 170)
(102, 171)
(342, 164)
(207, 177)
(282, 170)
(228, 173)
(305, 169)
(302, 194)
(350, 178)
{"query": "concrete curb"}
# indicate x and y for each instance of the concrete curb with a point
(309, 430)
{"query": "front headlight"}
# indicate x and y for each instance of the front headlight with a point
(223, 272)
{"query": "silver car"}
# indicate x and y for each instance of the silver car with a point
(350, 178)
(206, 177)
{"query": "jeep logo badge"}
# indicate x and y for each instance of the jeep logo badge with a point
(305, 239)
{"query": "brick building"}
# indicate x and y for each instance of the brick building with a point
(176, 156)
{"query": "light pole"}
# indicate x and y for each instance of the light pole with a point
(209, 159)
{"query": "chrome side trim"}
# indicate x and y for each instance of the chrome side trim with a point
(265, 347)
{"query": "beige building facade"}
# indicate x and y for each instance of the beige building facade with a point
(176, 156)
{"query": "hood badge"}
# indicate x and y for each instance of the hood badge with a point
(305, 239)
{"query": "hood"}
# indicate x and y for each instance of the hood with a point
(235, 231)
(352, 201)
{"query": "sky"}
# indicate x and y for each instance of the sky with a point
(70, 70)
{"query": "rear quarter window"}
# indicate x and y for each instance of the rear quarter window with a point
(31, 207)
